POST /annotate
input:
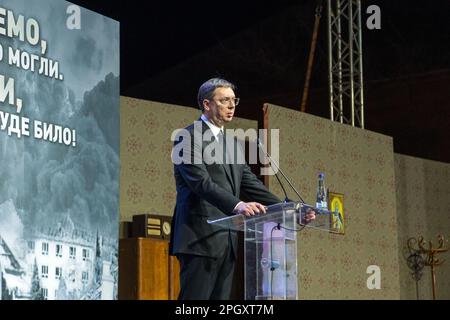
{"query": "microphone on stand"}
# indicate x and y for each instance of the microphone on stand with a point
(286, 199)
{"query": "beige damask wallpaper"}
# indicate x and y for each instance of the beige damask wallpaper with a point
(423, 209)
(359, 164)
(388, 198)
(146, 177)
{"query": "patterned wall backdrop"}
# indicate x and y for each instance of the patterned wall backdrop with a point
(147, 184)
(359, 164)
(377, 186)
(423, 208)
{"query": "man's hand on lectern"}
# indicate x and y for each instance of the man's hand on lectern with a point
(308, 217)
(249, 208)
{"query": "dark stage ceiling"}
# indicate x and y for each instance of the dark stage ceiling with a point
(263, 48)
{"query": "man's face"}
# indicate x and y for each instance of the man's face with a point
(220, 109)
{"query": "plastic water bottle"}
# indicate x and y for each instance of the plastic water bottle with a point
(321, 199)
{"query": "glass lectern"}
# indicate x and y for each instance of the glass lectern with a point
(271, 247)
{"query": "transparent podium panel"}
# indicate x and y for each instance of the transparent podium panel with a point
(271, 257)
(271, 247)
(321, 222)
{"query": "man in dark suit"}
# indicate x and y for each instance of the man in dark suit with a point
(208, 191)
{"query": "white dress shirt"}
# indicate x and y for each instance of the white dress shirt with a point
(214, 129)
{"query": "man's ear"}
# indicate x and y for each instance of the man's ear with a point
(206, 105)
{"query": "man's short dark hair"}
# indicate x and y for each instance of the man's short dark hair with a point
(206, 90)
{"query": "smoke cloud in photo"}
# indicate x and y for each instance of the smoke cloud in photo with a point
(45, 181)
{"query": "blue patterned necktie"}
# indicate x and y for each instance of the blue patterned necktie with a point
(223, 143)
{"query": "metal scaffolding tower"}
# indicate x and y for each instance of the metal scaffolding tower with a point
(345, 70)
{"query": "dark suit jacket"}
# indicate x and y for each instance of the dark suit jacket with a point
(210, 191)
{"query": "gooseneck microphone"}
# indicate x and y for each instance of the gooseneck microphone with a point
(271, 162)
